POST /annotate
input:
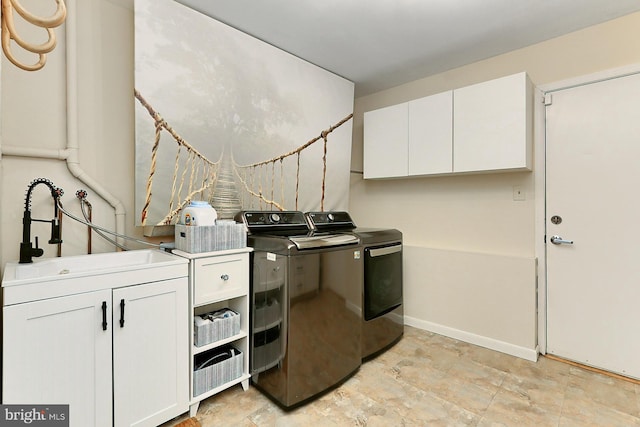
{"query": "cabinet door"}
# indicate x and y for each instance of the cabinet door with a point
(56, 351)
(431, 134)
(386, 134)
(492, 125)
(150, 352)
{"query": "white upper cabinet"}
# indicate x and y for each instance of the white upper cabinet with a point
(430, 134)
(492, 125)
(385, 135)
(480, 128)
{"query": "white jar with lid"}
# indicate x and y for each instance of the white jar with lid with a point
(198, 213)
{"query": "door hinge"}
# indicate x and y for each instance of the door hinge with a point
(547, 99)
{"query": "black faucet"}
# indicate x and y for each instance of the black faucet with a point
(27, 251)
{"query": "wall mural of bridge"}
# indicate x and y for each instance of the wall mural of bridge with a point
(226, 118)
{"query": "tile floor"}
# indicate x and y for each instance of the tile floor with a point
(430, 380)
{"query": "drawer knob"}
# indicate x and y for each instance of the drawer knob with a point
(225, 277)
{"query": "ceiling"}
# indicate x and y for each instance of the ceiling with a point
(379, 44)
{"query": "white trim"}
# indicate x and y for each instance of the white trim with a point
(540, 179)
(490, 343)
(599, 76)
(539, 216)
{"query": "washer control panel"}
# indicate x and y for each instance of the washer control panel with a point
(332, 220)
(273, 221)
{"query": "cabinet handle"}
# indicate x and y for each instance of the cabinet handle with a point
(104, 315)
(122, 313)
(225, 277)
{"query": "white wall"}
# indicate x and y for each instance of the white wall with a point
(34, 116)
(449, 221)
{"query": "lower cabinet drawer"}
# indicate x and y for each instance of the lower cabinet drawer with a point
(220, 278)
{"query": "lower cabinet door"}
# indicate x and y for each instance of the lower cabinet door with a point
(58, 351)
(150, 352)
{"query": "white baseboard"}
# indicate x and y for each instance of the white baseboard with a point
(490, 343)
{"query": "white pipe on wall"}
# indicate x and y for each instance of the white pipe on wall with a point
(73, 162)
(70, 153)
(38, 153)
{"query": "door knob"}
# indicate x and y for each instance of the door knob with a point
(557, 240)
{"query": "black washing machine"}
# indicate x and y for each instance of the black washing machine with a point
(305, 306)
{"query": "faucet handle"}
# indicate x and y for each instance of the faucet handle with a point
(37, 251)
(55, 233)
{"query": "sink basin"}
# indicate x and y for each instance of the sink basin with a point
(49, 268)
(52, 277)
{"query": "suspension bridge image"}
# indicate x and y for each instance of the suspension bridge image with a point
(275, 183)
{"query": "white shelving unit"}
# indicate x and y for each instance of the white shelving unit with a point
(219, 280)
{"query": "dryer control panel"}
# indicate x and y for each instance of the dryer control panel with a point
(330, 221)
(273, 222)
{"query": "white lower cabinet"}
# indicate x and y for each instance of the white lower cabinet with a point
(117, 357)
(150, 357)
(56, 351)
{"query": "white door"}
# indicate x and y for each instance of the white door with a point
(150, 352)
(593, 199)
(57, 351)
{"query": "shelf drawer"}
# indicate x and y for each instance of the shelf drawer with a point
(220, 278)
